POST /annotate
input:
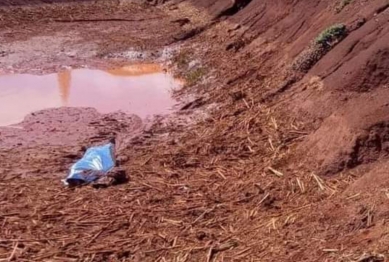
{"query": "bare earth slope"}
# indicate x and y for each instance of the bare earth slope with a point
(290, 165)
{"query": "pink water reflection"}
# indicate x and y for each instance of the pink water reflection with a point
(144, 90)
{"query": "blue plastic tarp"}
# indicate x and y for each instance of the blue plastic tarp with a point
(96, 162)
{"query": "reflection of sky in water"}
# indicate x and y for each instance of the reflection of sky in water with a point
(142, 90)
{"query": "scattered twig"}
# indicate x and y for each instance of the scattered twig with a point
(12, 256)
(319, 182)
(275, 172)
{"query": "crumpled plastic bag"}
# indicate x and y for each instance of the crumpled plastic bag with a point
(95, 164)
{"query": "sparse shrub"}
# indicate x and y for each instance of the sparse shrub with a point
(182, 60)
(319, 47)
(342, 4)
(330, 35)
(187, 68)
(195, 75)
(308, 58)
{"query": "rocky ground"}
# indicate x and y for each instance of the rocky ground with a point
(280, 156)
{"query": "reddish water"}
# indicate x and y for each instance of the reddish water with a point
(144, 90)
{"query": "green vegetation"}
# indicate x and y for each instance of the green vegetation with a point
(342, 4)
(322, 44)
(194, 76)
(188, 69)
(182, 59)
(331, 35)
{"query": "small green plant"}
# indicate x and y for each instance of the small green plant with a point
(331, 35)
(182, 60)
(322, 44)
(194, 76)
(342, 5)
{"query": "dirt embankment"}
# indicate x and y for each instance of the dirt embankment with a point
(290, 165)
(340, 88)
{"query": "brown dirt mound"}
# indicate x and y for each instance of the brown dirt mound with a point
(356, 66)
(356, 133)
(241, 185)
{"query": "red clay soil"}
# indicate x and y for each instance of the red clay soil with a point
(289, 165)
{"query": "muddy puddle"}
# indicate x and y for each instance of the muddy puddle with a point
(144, 90)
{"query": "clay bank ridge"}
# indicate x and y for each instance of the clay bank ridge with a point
(278, 149)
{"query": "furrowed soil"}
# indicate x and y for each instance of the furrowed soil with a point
(281, 153)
